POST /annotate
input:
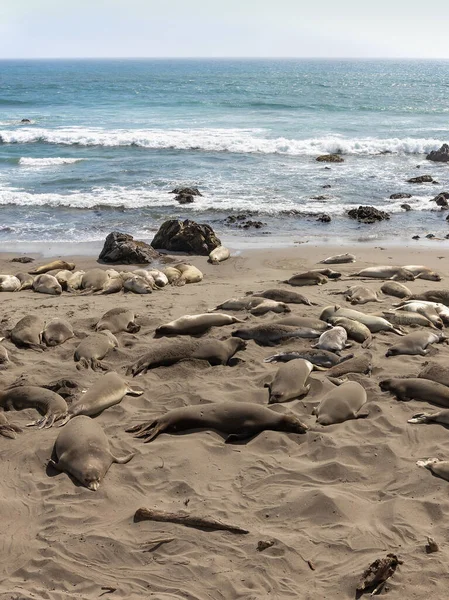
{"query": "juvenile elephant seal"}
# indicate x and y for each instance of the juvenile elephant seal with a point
(435, 372)
(423, 309)
(160, 279)
(422, 272)
(436, 466)
(74, 282)
(308, 278)
(441, 309)
(385, 272)
(358, 364)
(412, 388)
(117, 320)
(170, 351)
(53, 266)
(358, 294)
(93, 349)
(269, 306)
(273, 333)
(297, 321)
(433, 296)
(239, 420)
(254, 304)
(50, 405)
(9, 283)
(333, 340)
(416, 343)
(374, 323)
(442, 416)
(394, 288)
(218, 255)
(47, 284)
(107, 391)
(321, 358)
(82, 449)
(411, 319)
(341, 404)
(356, 331)
(28, 332)
(57, 332)
(338, 259)
(281, 295)
(94, 279)
(8, 429)
(137, 285)
(26, 281)
(181, 274)
(290, 381)
(196, 324)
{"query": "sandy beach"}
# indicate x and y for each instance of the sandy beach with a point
(332, 500)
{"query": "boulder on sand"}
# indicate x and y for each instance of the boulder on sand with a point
(122, 248)
(441, 155)
(368, 214)
(331, 158)
(186, 236)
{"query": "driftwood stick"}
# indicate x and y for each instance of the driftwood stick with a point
(149, 514)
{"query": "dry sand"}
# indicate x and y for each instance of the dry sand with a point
(339, 496)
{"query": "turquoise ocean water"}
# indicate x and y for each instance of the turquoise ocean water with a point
(108, 140)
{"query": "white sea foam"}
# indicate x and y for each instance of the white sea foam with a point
(218, 140)
(47, 162)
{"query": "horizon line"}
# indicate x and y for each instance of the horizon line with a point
(223, 58)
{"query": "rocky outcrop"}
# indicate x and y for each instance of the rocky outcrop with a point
(186, 236)
(324, 218)
(122, 248)
(368, 214)
(330, 158)
(441, 155)
(242, 221)
(442, 200)
(421, 179)
(400, 196)
(406, 207)
(186, 195)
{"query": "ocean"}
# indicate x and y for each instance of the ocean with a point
(109, 139)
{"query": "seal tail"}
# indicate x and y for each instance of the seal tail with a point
(148, 430)
(421, 418)
(125, 459)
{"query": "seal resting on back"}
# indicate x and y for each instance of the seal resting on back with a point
(412, 388)
(333, 340)
(170, 351)
(196, 324)
(28, 332)
(50, 405)
(82, 450)
(118, 319)
(94, 348)
(290, 381)
(341, 404)
(239, 420)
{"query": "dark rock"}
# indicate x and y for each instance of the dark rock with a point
(186, 192)
(441, 201)
(327, 169)
(319, 197)
(241, 221)
(441, 155)
(421, 179)
(430, 236)
(406, 207)
(326, 186)
(400, 196)
(25, 121)
(331, 158)
(255, 224)
(435, 182)
(447, 218)
(368, 214)
(22, 259)
(184, 198)
(122, 248)
(415, 237)
(186, 236)
(324, 218)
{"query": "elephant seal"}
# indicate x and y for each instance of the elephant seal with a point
(441, 296)
(290, 381)
(298, 321)
(92, 349)
(436, 466)
(321, 358)
(28, 332)
(422, 272)
(442, 416)
(273, 333)
(358, 294)
(137, 285)
(57, 332)
(181, 274)
(4, 356)
(374, 323)
(252, 303)
(423, 309)
(270, 306)
(196, 324)
(341, 404)
(358, 364)
(218, 255)
(170, 351)
(441, 309)
(53, 266)
(50, 405)
(396, 289)
(333, 340)
(435, 372)
(63, 277)
(281, 295)
(117, 320)
(308, 278)
(356, 331)
(329, 273)
(47, 284)
(411, 319)
(94, 279)
(107, 391)
(82, 450)
(74, 282)
(338, 259)
(26, 281)
(9, 283)
(160, 279)
(385, 272)
(412, 388)
(7, 429)
(239, 420)
(416, 343)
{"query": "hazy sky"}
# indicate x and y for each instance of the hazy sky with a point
(184, 28)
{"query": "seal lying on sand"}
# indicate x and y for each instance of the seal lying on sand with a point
(118, 319)
(290, 381)
(385, 272)
(433, 296)
(358, 364)
(82, 450)
(358, 294)
(9, 283)
(240, 420)
(435, 371)
(171, 351)
(442, 416)
(411, 319)
(28, 332)
(333, 340)
(26, 281)
(308, 278)
(308, 322)
(356, 331)
(49, 404)
(393, 288)
(273, 333)
(280, 295)
(218, 255)
(7, 429)
(321, 358)
(94, 348)
(47, 284)
(412, 388)
(374, 323)
(57, 332)
(341, 404)
(422, 272)
(338, 259)
(436, 466)
(196, 324)
(254, 304)
(53, 266)
(416, 343)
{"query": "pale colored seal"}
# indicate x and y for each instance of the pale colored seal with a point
(436, 466)
(385, 272)
(356, 331)
(308, 278)
(333, 340)
(107, 391)
(170, 351)
(74, 282)
(182, 273)
(63, 277)
(423, 309)
(47, 284)
(327, 272)
(28, 332)
(196, 324)
(57, 332)
(239, 420)
(93, 349)
(281, 295)
(137, 285)
(394, 288)
(422, 272)
(8, 429)
(50, 405)
(442, 416)
(358, 364)
(416, 342)
(290, 381)
(9, 283)
(341, 404)
(435, 371)
(411, 319)
(117, 320)
(256, 305)
(433, 296)
(321, 358)
(53, 266)
(358, 294)
(160, 279)
(441, 309)
(26, 281)
(270, 306)
(218, 255)
(82, 450)
(298, 321)
(4, 356)
(338, 259)
(374, 323)
(94, 279)
(412, 388)
(144, 274)
(273, 333)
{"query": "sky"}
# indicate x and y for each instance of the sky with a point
(223, 28)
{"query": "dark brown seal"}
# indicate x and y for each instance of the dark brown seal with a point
(417, 389)
(281, 295)
(49, 404)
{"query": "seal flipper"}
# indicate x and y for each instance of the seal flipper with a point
(125, 459)
(134, 391)
(7, 431)
(421, 418)
(55, 465)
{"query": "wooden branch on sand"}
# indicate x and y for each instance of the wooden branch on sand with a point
(149, 514)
